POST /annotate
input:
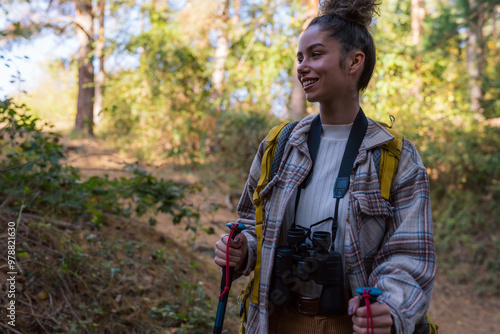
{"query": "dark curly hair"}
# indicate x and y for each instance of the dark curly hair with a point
(347, 22)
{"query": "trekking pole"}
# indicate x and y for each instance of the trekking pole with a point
(227, 278)
(368, 296)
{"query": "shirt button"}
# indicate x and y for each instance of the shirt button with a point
(348, 268)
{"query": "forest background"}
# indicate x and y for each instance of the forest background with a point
(191, 88)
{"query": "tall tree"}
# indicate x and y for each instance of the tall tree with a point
(297, 105)
(417, 31)
(222, 48)
(64, 18)
(84, 20)
(417, 19)
(475, 61)
(495, 12)
(99, 53)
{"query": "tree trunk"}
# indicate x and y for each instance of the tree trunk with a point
(297, 104)
(474, 53)
(85, 35)
(221, 51)
(417, 31)
(494, 12)
(236, 17)
(99, 52)
(417, 18)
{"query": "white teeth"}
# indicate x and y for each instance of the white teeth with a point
(308, 82)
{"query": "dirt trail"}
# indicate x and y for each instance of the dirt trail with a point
(455, 309)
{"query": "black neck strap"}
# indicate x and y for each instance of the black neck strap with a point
(356, 136)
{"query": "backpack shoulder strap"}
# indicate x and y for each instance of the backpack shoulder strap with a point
(389, 161)
(265, 176)
(280, 149)
(267, 159)
(244, 303)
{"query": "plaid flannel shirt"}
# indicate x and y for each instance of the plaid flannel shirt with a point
(392, 239)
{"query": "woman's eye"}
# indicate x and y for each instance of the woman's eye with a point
(299, 60)
(315, 54)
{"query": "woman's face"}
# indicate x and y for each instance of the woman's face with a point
(319, 69)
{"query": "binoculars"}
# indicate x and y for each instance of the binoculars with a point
(300, 262)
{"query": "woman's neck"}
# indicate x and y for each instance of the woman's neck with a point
(340, 112)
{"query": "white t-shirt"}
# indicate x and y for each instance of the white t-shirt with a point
(316, 200)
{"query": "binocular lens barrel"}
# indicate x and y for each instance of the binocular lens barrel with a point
(300, 262)
(280, 291)
(322, 240)
(283, 260)
(296, 236)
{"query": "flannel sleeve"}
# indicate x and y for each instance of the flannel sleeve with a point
(405, 266)
(246, 210)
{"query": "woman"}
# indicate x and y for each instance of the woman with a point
(386, 244)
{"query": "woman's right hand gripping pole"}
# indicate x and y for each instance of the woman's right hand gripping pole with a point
(238, 251)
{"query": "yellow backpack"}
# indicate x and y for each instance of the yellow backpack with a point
(388, 166)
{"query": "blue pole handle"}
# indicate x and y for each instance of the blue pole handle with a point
(239, 227)
(374, 293)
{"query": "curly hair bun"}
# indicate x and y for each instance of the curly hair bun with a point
(356, 11)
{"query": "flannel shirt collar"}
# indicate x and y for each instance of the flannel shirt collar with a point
(376, 135)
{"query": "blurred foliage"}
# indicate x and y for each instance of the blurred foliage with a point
(48, 187)
(239, 136)
(422, 87)
(55, 100)
(166, 109)
(162, 106)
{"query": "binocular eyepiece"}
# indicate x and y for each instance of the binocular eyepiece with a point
(298, 262)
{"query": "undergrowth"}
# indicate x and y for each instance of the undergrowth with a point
(83, 281)
(465, 192)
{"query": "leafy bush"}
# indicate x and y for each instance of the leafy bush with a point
(465, 189)
(49, 187)
(165, 113)
(239, 136)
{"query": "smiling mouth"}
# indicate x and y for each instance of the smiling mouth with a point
(309, 84)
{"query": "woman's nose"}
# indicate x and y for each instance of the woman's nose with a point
(302, 68)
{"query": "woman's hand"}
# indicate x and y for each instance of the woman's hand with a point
(237, 251)
(381, 313)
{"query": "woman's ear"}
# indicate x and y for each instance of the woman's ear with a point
(357, 60)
